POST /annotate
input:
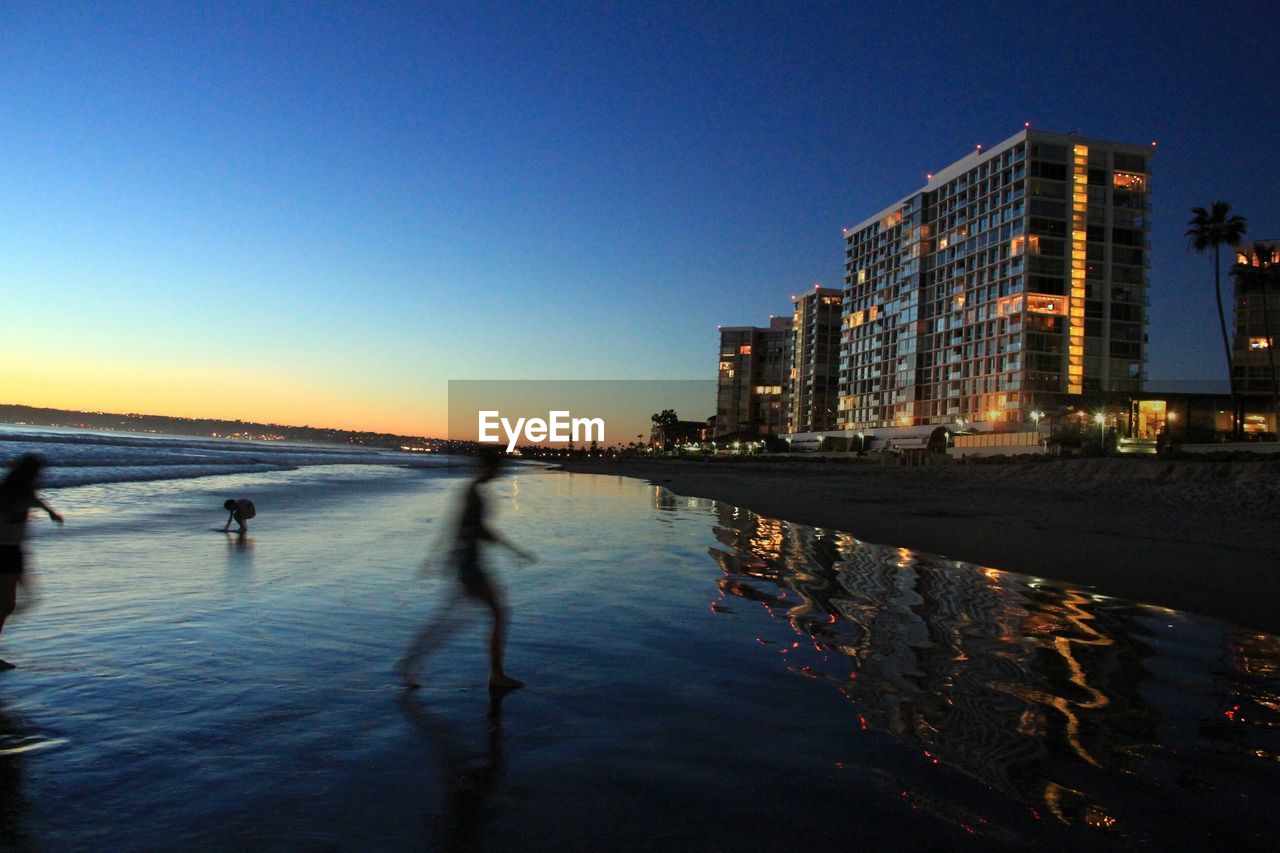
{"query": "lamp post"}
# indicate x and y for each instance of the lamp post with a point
(1101, 420)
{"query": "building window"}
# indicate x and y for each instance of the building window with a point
(1038, 304)
(745, 349)
(1129, 181)
(1258, 343)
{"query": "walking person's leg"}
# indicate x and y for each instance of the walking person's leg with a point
(8, 600)
(484, 591)
(432, 634)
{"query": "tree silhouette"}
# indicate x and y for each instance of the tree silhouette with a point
(1212, 229)
(662, 423)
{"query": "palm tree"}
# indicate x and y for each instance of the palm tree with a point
(663, 423)
(1264, 277)
(1211, 229)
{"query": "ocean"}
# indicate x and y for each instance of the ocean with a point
(699, 677)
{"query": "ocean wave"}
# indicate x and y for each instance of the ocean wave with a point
(85, 458)
(58, 477)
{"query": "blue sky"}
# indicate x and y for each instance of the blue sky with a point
(323, 212)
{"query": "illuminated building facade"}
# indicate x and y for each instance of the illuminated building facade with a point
(754, 364)
(812, 390)
(1257, 318)
(1014, 280)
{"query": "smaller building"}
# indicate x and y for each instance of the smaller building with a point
(812, 392)
(1257, 316)
(754, 367)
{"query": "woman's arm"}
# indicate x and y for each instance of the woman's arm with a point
(494, 536)
(53, 516)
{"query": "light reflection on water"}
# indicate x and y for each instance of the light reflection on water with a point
(1098, 713)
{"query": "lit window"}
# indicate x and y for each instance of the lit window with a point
(1029, 243)
(1129, 181)
(1258, 343)
(1010, 305)
(745, 349)
(1039, 304)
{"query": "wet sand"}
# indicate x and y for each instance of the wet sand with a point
(700, 678)
(1193, 536)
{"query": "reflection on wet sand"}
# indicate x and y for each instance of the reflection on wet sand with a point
(470, 778)
(12, 803)
(1093, 711)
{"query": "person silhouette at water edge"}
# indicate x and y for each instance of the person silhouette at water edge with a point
(17, 497)
(241, 511)
(473, 582)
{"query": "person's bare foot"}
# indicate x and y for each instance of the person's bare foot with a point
(505, 682)
(5, 665)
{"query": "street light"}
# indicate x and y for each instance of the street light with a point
(1100, 419)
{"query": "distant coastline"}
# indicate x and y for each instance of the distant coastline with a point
(215, 428)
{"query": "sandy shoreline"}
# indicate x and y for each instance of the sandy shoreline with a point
(1194, 536)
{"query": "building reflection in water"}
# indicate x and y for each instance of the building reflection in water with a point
(1054, 695)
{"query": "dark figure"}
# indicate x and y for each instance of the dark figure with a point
(470, 779)
(17, 497)
(472, 582)
(241, 511)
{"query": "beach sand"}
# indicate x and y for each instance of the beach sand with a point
(1203, 537)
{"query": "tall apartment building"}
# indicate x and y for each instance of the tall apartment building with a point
(811, 393)
(1257, 317)
(1014, 280)
(754, 364)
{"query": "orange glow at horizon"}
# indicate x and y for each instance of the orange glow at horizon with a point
(221, 392)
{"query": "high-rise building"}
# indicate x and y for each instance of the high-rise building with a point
(754, 363)
(811, 393)
(1014, 280)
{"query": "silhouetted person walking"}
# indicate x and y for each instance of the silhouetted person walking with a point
(241, 511)
(472, 581)
(17, 497)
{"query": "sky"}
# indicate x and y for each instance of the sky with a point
(319, 214)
